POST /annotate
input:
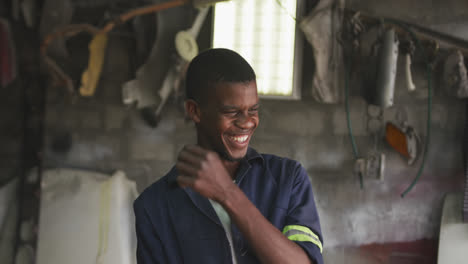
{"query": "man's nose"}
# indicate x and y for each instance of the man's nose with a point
(245, 121)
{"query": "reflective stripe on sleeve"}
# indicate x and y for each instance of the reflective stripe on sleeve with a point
(303, 234)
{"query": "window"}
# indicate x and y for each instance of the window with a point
(264, 33)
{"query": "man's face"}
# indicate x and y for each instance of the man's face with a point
(228, 118)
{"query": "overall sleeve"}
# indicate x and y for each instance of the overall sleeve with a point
(149, 246)
(302, 223)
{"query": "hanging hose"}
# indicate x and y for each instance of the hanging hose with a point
(348, 119)
(428, 133)
(429, 106)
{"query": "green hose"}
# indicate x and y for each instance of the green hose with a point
(426, 147)
(348, 119)
(429, 108)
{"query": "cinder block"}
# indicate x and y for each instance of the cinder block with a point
(323, 152)
(276, 146)
(114, 117)
(187, 135)
(145, 173)
(117, 61)
(153, 147)
(90, 119)
(291, 119)
(51, 117)
(110, 91)
(455, 115)
(358, 116)
(439, 115)
(158, 170)
(166, 126)
(395, 114)
(67, 117)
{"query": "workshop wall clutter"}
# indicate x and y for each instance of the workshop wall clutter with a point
(358, 168)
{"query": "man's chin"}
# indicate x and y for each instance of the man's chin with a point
(225, 156)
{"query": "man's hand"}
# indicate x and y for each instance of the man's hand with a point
(203, 171)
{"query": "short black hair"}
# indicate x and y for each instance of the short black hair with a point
(214, 66)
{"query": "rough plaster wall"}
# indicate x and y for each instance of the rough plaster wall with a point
(107, 136)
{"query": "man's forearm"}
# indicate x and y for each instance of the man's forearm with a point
(269, 244)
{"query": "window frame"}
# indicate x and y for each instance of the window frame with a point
(297, 57)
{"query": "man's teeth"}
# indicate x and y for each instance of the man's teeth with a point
(240, 139)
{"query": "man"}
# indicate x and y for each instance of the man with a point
(223, 202)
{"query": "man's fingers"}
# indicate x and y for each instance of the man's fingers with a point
(195, 156)
(186, 169)
(184, 181)
(190, 158)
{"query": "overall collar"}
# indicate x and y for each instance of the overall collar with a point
(249, 157)
(203, 203)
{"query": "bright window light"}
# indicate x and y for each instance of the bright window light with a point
(263, 32)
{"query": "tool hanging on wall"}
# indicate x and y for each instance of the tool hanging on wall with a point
(90, 77)
(372, 166)
(386, 70)
(455, 75)
(429, 42)
(59, 76)
(154, 73)
(404, 140)
(140, 90)
(407, 48)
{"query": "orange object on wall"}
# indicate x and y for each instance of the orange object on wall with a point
(397, 139)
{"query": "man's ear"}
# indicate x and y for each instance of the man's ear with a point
(192, 110)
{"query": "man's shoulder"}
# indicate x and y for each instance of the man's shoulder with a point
(275, 161)
(157, 190)
(283, 170)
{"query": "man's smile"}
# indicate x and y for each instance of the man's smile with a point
(239, 139)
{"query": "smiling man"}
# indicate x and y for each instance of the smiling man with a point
(223, 202)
